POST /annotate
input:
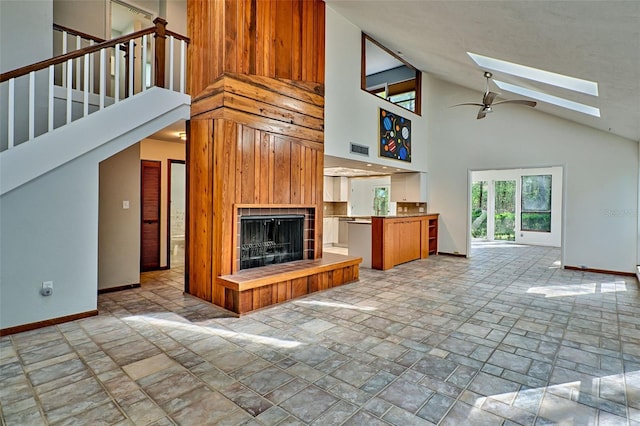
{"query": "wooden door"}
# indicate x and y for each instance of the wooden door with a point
(150, 215)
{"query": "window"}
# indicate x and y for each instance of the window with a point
(536, 203)
(388, 76)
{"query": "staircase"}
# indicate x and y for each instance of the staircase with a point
(63, 108)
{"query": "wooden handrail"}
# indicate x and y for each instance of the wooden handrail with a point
(178, 36)
(71, 31)
(73, 55)
(81, 52)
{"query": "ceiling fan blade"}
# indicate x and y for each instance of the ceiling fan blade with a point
(518, 101)
(482, 113)
(467, 103)
(488, 98)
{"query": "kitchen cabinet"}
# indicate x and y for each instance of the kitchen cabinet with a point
(330, 230)
(328, 188)
(396, 240)
(336, 188)
(409, 188)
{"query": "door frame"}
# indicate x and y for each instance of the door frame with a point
(142, 162)
(169, 163)
(563, 202)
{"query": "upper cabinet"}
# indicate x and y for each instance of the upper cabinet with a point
(409, 188)
(336, 188)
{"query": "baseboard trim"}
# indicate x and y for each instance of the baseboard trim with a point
(46, 323)
(119, 288)
(452, 254)
(599, 271)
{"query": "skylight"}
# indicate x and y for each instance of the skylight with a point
(561, 102)
(547, 77)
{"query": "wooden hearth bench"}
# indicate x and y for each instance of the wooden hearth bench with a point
(255, 288)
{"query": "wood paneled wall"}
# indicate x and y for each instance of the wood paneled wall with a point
(271, 38)
(257, 122)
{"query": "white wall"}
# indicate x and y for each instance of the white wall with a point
(19, 48)
(351, 114)
(553, 238)
(48, 232)
(151, 149)
(601, 173)
(119, 227)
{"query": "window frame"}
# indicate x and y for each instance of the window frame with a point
(363, 77)
(522, 208)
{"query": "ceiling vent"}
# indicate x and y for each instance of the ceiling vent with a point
(359, 149)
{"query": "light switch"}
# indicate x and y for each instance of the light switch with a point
(125, 204)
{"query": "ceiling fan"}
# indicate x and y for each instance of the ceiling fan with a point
(487, 100)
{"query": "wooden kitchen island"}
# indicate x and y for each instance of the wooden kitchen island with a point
(400, 239)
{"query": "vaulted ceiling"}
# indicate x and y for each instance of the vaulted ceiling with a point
(591, 40)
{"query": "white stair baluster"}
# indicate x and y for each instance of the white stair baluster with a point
(69, 90)
(51, 86)
(64, 66)
(91, 70)
(85, 104)
(143, 65)
(116, 78)
(102, 78)
(11, 112)
(79, 64)
(32, 103)
(183, 45)
(131, 55)
(171, 62)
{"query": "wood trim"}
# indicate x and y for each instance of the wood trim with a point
(73, 32)
(178, 36)
(187, 201)
(46, 323)
(274, 206)
(238, 282)
(118, 288)
(600, 271)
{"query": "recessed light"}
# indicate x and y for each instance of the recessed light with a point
(384, 167)
(369, 165)
(542, 76)
(555, 100)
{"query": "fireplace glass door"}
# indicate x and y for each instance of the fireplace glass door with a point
(266, 240)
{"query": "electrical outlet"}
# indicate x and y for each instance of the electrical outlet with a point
(47, 288)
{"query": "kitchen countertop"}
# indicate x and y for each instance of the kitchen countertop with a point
(396, 216)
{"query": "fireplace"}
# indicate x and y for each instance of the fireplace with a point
(266, 240)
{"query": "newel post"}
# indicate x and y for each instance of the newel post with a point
(160, 37)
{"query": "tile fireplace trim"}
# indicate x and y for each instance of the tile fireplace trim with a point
(312, 212)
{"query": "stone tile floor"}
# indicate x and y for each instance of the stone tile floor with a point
(505, 337)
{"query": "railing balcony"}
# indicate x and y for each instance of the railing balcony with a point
(41, 97)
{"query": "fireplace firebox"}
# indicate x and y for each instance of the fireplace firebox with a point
(266, 240)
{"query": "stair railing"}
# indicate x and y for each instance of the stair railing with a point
(65, 37)
(124, 66)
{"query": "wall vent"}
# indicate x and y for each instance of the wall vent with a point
(359, 149)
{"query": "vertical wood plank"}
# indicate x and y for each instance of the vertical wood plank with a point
(284, 12)
(296, 182)
(230, 58)
(265, 167)
(296, 40)
(247, 165)
(282, 175)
